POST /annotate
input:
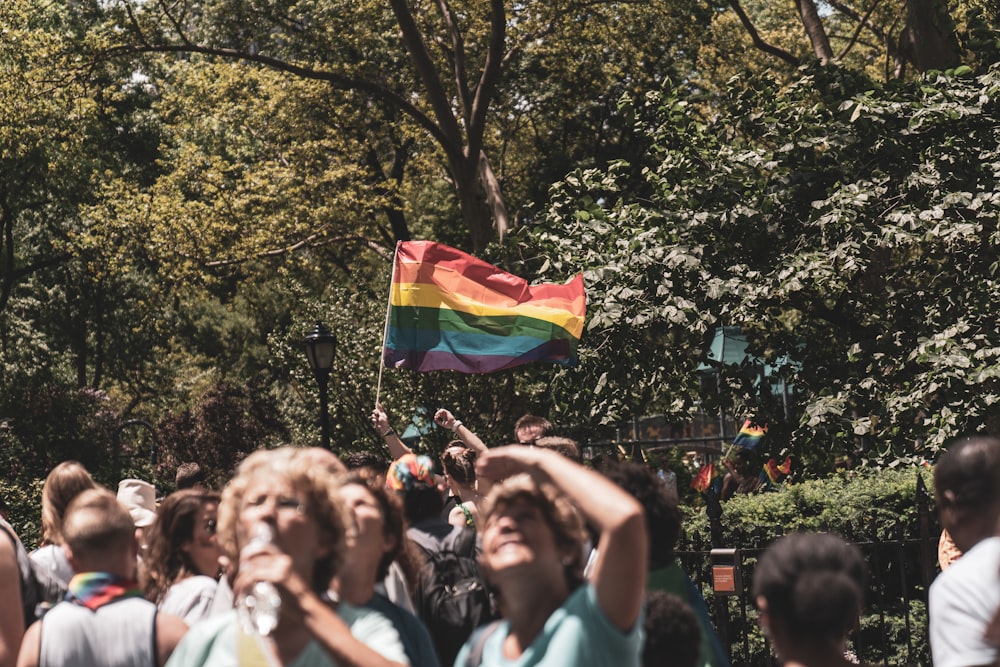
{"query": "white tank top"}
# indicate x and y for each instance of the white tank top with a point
(119, 634)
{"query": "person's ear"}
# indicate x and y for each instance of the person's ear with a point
(70, 557)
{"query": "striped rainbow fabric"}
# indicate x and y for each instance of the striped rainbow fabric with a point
(451, 311)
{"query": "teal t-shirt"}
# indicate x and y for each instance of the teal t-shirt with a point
(218, 642)
(577, 634)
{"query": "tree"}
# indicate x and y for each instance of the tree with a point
(836, 222)
(446, 80)
(887, 36)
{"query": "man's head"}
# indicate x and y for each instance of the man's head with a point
(530, 428)
(189, 476)
(967, 486)
(99, 534)
(412, 477)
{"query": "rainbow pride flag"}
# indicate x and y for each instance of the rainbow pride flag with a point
(750, 435)
(451, 311)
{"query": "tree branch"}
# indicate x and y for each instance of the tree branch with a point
(450, 133)
(491, 74)
(458, 56)
(755, 36)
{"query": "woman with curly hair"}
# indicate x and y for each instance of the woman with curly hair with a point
(533, 553)
(282, 492)
(181, 566)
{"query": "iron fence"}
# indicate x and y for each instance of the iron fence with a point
(893, 629)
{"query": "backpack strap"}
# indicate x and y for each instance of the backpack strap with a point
(477, 643)
(465, 543)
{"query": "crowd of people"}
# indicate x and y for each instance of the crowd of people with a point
(513, 555)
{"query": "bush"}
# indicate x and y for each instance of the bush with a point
(877, 510)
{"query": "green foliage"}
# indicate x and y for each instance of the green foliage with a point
(227, 424)
(855, 505)
(836, 222)
(877, 510)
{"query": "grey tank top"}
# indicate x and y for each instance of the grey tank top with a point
(119, 634)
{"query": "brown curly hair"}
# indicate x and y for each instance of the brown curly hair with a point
(558, 513)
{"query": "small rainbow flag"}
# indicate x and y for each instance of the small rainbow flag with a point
(776, 473)
(750, 435)
(709, 476)
(451, 311)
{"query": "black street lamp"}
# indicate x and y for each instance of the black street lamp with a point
(320, 345)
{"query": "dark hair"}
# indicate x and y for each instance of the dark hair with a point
(532, 421)
(672, 632)
(460, 464)
(663, 516)
(422, 502)
(166, 561)
(364, 459)
(814, 583)
(188, 474)
(969, 469)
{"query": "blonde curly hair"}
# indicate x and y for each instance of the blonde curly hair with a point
(320, 490)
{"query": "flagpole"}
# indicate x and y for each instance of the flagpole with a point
(385, 330)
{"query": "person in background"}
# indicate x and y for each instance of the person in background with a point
(663, 520)
(532, 537)
(948, 553)
(964, 598)
(105, 620)
(565, 446)
(459, 464)
(743, 477)
(181, 567)
(670, 624)
(529, 428)
(379, 542)
(64, 483)
(139, 497)
(809, 588)
(13, 615)
(189, 476)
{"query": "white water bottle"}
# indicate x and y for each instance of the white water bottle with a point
(260, 609)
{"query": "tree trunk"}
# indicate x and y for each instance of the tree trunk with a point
(815, 30)
(929, 38)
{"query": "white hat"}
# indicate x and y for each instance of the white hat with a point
(140, 499)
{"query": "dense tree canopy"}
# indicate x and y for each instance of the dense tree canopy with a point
(186, 186)
(837, 223)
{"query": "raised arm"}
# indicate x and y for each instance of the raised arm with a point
(619, 576)
(380, 421)
(445, 419)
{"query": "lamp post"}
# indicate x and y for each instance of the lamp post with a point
(320, 346)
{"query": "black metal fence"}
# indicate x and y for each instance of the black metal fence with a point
(893, 630)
